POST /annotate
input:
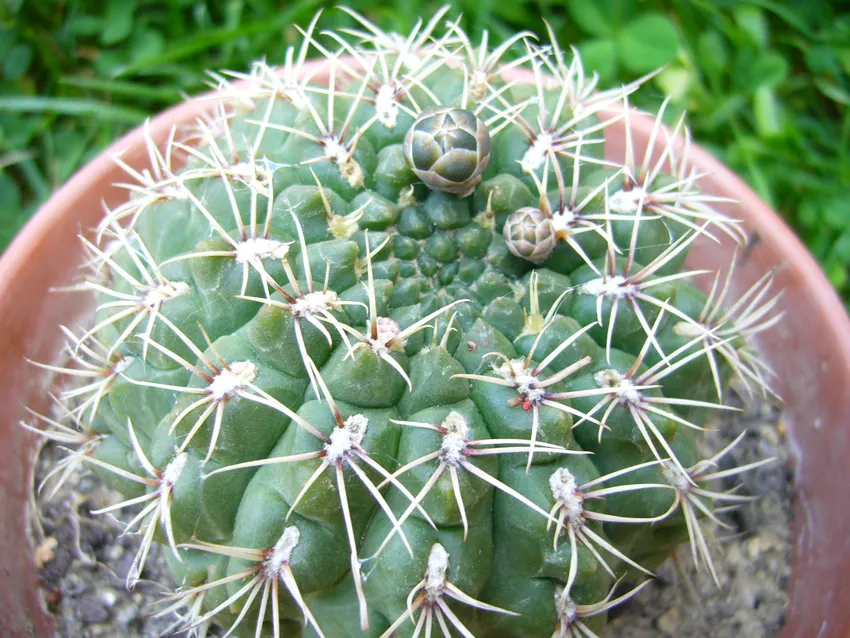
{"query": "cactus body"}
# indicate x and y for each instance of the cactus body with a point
(403, 352)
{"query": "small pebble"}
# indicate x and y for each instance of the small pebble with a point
(114, 552)
(76, 586)
(44, 553)
(91, 609)
(668, 622)
(127, 614)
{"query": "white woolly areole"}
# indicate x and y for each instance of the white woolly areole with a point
(563, 221)
(231, 379)
(157, 296)
(620, 385)
(626, 202)
(524, 381)
(386, 106)
(282, 551)
(312, 303)
(478, 85)
(456, 423)
(455, 438)
(451, 450)
(344, 439)
(565, 492)
(260, 249)
(435, 574)
(565, 606)
(511, 369)
(344, 159)
(675, 477)
(537, 153)
(337, 151)
(174, 469)
(611, 286)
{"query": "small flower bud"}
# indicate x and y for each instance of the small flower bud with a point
(448, 148)
(530, 234)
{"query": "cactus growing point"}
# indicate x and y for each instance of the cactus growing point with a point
(404, 352)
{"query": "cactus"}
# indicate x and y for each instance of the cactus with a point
(402, 353)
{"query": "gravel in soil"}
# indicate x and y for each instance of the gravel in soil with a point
(85, 559)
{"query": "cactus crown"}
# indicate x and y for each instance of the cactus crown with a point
(403, 348)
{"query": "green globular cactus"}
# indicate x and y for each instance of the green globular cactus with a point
(401, 352)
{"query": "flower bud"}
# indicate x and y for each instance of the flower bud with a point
(448, 148)
(530, 234)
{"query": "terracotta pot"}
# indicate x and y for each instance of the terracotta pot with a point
(809, 350)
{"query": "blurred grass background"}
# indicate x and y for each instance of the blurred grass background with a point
(765, 82)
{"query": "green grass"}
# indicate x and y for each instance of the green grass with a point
(765, 82)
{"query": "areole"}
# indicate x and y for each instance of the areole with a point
(810, 351)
